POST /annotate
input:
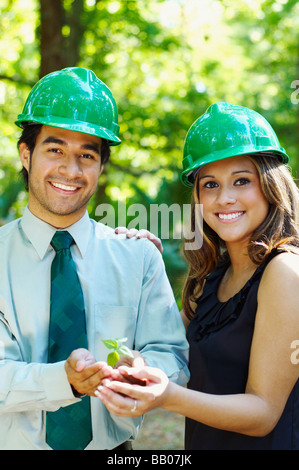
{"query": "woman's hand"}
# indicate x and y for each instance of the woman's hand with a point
(133, 232)
(126, 399)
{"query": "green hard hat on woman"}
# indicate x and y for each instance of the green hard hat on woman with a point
(226, 130)
(73, 98)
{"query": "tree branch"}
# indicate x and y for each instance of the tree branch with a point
(17, 79)
(136, 173)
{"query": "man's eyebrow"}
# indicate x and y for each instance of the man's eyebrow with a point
(94, 147)
(55, 140)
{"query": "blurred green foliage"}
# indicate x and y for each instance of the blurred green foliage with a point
(165, 61)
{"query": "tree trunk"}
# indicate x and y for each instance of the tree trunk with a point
(51, 38)
(76, 32)
(58, 51)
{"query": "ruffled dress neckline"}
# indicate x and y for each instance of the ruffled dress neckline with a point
(211, 314)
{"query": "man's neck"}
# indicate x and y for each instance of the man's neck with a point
(56, 220)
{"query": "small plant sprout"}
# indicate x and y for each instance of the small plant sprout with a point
(117, 349)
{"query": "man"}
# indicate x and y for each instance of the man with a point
(58, 301)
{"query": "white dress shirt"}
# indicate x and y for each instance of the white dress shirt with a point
(126, 294)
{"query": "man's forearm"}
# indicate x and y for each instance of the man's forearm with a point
(25, 387)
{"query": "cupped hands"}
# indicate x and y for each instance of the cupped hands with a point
(124, 398)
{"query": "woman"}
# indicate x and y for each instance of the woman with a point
(240, 300)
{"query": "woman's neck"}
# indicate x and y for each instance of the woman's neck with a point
(237, 274)
(240, 260)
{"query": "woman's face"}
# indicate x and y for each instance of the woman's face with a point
(233, 202)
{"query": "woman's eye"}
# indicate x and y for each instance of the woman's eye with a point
(210, 185)
(242, 181)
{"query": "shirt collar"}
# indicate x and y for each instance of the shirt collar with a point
(40, 233)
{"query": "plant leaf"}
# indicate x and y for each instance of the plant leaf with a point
(121, 340)
(112, 359)
(124, 351)
(110, 343)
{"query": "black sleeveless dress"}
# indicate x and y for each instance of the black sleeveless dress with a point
(220, 336)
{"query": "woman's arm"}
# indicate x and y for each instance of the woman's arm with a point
(272, 375)
(227, 412)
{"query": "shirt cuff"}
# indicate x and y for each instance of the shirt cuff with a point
(57, 386)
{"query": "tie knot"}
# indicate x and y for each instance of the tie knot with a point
(62, 240)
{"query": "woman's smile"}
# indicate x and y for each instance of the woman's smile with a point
(229, 216)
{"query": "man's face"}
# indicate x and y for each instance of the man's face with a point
(63, 173)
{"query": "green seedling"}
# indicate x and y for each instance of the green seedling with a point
(117, 349)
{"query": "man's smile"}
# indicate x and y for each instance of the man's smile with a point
(66, 188)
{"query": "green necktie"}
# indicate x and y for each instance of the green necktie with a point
(68, 428)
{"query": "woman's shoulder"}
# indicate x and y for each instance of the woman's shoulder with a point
(287, 261)
(281, 275)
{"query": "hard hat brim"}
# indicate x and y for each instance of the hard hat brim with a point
(186, 175)
(78, 126)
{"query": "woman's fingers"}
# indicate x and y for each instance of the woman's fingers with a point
(118, 404)
(129, 232)
(119, 396)
(143, 233)
(147, 373)
(143, 378)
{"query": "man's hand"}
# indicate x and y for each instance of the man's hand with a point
(84, 374)
(137, 362)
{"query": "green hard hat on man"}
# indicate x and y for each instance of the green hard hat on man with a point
(226, 130)
(76, 99)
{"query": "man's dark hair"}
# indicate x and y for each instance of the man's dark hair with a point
(29, 136)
